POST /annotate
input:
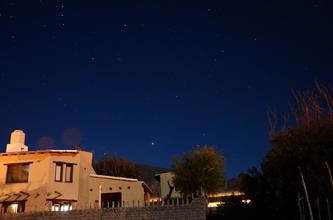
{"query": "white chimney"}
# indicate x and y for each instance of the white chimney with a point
(16, 144)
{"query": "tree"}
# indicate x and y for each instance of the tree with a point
(304, 141)
(305, 147)
(121, 167)
(200, 171)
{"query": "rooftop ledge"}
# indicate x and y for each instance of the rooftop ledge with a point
(114, 178)
(37, 152)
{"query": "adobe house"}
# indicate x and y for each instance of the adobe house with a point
(166, 185)
(60, 180)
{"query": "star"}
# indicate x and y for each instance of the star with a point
(152, 143)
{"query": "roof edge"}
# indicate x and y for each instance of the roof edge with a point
(114, 177)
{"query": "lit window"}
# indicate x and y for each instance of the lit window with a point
(55, 207)
(66, 207)
(17, 173)
(61, 206)
(13, 207)
(58, 172)
(69, 173)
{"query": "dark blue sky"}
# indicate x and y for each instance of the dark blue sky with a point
(151, 79)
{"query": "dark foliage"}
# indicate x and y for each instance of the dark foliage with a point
(305, 147)
(121, 167)
(306, 144)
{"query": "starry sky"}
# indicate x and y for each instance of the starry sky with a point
(152, 79)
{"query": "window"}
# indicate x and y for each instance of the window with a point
(61, 206)
(58, 172)
(69, 173)
(17, 173)
(64, 172)
(14, 207)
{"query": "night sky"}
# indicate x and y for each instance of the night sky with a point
(152, 79)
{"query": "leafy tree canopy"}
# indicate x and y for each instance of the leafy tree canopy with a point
(200, 171)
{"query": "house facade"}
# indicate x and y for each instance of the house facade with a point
(60, 180)
(166, 185)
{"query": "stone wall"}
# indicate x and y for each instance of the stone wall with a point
(194, 211)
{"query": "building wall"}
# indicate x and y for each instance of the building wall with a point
(82, 191)
(37, 182)
(84, 171)
(131, 191)
(164, 178)
(194, 211)
(41, 184)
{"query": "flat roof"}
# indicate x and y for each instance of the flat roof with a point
(114, 178)
(37, 152)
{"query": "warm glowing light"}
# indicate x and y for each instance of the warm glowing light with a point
(224, 194)
(62, 207)
(12, 208)
(246, 201)
(55, 207)
(215, 204)
(155, 199)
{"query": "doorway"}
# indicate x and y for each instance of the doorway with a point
(110, 200)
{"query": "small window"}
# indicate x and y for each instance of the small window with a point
(128, 187)
(61, 206)
(119, 187)
(69, 173)
(58, 172)
(13, 207)
(17, 173)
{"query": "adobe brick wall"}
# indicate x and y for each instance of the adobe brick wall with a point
(194, 211)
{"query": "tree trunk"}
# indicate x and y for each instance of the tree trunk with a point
(300, 207)
(328, 209)
(318, 207)
(329, 173)
(306, 193)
